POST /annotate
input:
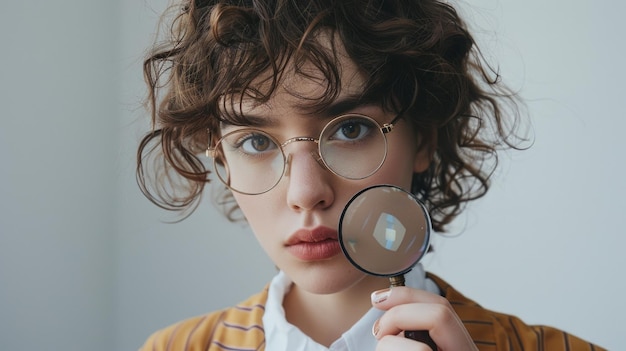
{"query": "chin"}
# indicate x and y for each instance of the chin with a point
(326, 280)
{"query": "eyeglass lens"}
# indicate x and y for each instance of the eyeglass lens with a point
(250, 161)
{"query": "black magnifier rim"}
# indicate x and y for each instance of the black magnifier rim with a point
(426, 235)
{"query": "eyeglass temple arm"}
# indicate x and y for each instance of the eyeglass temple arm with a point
(210, 151)
(388, 127)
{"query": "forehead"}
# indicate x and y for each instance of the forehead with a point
(303, 86)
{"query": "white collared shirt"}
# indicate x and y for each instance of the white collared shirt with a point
(280, 335)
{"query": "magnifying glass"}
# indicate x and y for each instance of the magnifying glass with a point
(385, 231)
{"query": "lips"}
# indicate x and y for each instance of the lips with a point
(320, 243)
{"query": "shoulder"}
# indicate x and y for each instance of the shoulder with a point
(498, 331)
(238, 327)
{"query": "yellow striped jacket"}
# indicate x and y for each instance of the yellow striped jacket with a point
(240, 328)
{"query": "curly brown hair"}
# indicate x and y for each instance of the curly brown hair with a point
(418, 56)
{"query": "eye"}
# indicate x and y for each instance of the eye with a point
(352, 129)
(255, 143)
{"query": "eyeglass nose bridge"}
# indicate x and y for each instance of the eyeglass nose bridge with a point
(315, 154)
(300, 138)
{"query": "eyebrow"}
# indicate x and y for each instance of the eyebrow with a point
(334, 109)
(343, 105)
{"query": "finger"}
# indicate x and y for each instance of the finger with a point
(387, 298)
(441, 322)
(415, 316)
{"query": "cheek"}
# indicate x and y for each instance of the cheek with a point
(259, 213)
(402, 156)
(398, 168)
(250, 206)
(395, 172)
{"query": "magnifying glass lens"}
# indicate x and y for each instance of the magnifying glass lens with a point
(384, 230)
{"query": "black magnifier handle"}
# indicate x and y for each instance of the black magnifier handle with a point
(417, 335)
(421, 336)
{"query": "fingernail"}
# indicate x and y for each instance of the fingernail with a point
(375, 328)
(380, 295)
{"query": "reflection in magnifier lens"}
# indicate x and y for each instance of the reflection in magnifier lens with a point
(389, 231)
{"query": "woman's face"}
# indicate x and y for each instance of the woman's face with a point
(296, 222)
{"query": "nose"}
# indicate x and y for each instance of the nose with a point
(309, 182)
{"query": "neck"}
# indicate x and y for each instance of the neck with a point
(325, 317)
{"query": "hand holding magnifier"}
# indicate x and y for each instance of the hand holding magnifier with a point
(385, 231)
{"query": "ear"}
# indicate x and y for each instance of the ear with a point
(425, 150)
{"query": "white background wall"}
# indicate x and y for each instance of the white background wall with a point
(87, 263)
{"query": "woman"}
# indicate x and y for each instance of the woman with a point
(301, 105)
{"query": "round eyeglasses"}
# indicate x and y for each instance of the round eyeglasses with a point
(250, 161)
